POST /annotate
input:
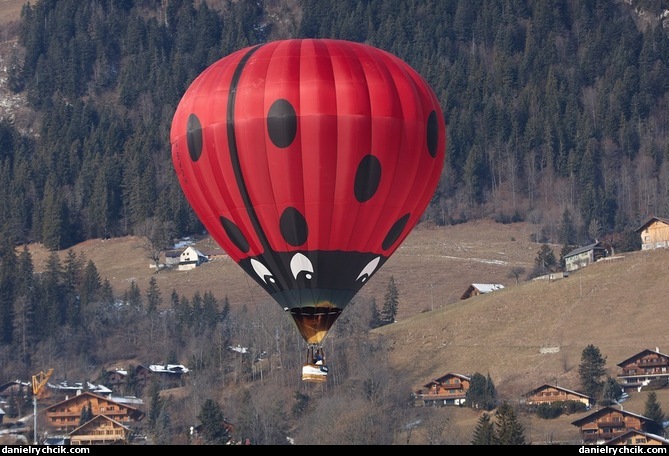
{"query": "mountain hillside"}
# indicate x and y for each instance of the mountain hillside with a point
(535, 332)
(432, 269)
(525, 335)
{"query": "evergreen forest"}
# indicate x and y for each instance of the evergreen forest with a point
(556, 110)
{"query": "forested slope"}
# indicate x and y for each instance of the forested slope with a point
(555, 109)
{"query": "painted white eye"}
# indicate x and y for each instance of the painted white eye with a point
(300, 263)
(262, 271)
(368, 270)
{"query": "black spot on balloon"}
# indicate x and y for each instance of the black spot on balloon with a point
(432, 134)
(281, 123)
(293, 227)
(194, 137)
(235, 234)
(367, 178)
(395, 232)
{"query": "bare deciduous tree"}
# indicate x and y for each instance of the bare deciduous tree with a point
(156, 236)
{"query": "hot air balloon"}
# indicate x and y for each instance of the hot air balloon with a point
(309, 161)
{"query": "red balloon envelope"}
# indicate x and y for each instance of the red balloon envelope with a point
(309, 161)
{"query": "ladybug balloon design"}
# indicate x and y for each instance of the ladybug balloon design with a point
(309, 161)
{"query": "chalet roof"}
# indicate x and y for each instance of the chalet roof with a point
(586, 248)
(10, 383)
(196, 251)
(92, 395)
(167, 368)
(605, 410)
(546, 385)
(487, 287)
(238, 349)
(449, 375)
(641, 354)
(482, 288)
(98, 418)
(79, 386)
(127, 400)
(650, 220)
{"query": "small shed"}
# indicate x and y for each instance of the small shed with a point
(476, 289)
(172, 258)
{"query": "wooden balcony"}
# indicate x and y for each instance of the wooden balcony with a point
(653, 362)
(611, 424)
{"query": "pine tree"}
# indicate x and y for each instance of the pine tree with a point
(545, 260)
(86, 414)
(49, 312)
(654, 412)
(153, 296)
(484, 433)
(375, 319)
(73, 267)
(509, 430)
(390, 302)
(91, 285)
(567, 230)
(611, 391)
(155, 406)
(212, 422)
(24, 307)
(481, 393)
(591, 370)
(132, 386)
(8, 279)
(490, 394)
(133, 296)
(210, 312)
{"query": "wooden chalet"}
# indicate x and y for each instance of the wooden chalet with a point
(654, 233)
(583, 256)
(547, 394)
(116, 379)
(608, 423)
(476, 289)
(64, 416)
(61, 390)
(15, 388)
(450, 389)
(101, 430)
(635, 437)
(167, 375)
(639, 370)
